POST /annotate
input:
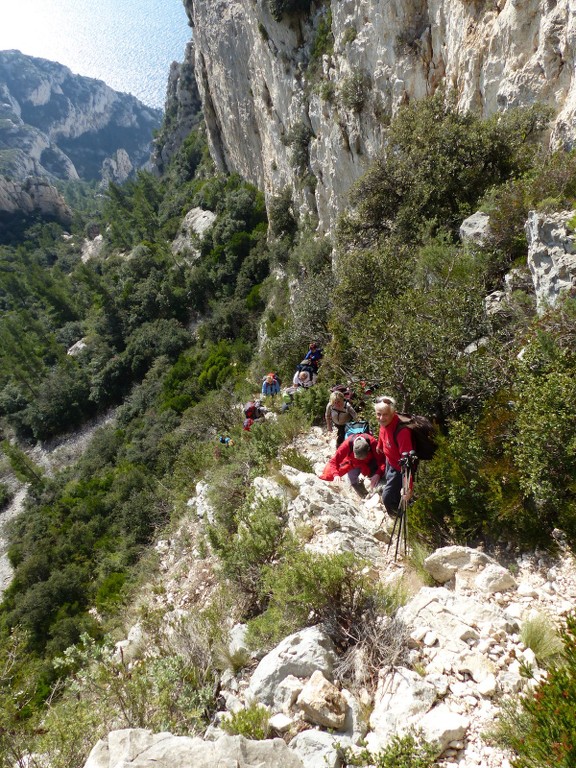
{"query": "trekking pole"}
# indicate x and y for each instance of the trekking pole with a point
(408, 463)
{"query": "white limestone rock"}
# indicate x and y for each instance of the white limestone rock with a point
(441, 726)
(551, 256)
(445, 562)
(495, 578)
(402, 697)
(317, 749)
(196, 222)
(322, 703)
(139, 748)
(300, 654)
(475, 228)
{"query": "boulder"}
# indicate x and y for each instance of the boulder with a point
(402, 697)
(316, 749)
(300, 655)
(139, 748)
(475, 228)
(551, 255)
(445, 562)
(441, 726)
(322, 703)
(495, 578)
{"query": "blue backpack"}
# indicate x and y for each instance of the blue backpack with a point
(357, 428)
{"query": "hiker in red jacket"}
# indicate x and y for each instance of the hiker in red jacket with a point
(356, 456)
(393, 441)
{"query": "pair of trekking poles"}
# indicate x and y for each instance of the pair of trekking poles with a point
(409, 465)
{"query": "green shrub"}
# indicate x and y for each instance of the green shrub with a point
(280, 8)
(298, 139)
(261, 537)
(539, 726)
(295, 459)
(251, 722)
(409, 751)
(437, 163)
(540, 635)
(6, 495)
(308, 589)
(354, 90)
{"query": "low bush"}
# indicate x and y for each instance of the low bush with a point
(251, 722)
(540, 635)
(409, 751)
(308, 589)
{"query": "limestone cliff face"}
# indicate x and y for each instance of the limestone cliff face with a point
(34, 195)
(267, 100)
(60, 125)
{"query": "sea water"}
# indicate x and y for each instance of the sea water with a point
(129, 44)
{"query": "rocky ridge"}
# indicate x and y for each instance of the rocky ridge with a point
(263, 92)
(60, 125)
(462, 657)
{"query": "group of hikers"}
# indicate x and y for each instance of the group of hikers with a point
(358, 452)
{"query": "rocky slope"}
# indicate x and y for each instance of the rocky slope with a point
(461, 657)
(286, 108)
(64, 126)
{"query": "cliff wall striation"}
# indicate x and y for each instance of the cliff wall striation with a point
(299, 99)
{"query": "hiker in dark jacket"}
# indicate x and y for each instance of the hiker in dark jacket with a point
(356, 456)
(393, 441)
(338, 413)
(314, 354)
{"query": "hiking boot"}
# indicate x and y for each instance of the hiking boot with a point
(360, 489)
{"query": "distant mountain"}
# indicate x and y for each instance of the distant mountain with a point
(64, 126)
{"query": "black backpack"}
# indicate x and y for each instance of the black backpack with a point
(423, 434)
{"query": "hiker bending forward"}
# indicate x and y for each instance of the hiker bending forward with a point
(356, 456)
(338, 413)
(393, 440)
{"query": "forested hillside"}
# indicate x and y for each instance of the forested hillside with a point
(176, 342)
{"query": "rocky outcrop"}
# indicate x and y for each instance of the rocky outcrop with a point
(34, 195)
(552, 255)
(463, 651)
(283, 108)
(138, 748)
(60, 125)
(183, 110)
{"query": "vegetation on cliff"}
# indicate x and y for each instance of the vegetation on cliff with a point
(173, 344)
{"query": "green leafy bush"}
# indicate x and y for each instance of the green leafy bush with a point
(354, 90)
(251, 722)
(280, 8)
(409, 751)
(307, 589)
(437, 163)
(6, 495)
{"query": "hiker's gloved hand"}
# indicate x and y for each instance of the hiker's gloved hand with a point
(374, 480)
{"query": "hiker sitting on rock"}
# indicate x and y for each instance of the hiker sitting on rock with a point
(356, 456)
(338, 413)
(393, 440)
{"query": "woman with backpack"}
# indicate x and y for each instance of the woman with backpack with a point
(338, 413)
(394, 440)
